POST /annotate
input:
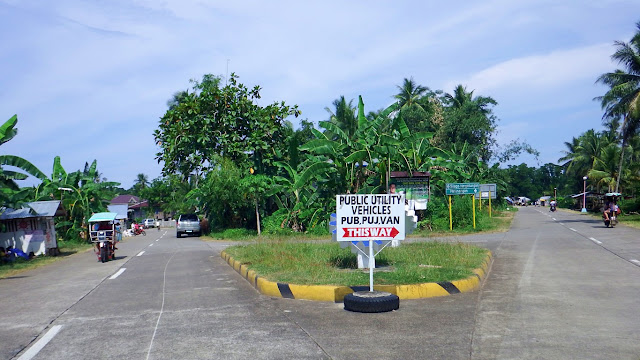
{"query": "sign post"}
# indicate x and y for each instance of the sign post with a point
(370, 219)
(473, 206)
(462, 189)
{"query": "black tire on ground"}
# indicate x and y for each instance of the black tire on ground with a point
(103, 254)
(178, 235)
(144, 233)
(371, 302)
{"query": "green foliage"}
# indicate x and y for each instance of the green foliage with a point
(81, 194)
(10, 194)
(212, 122)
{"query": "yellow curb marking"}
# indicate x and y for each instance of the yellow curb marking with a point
(337, 293)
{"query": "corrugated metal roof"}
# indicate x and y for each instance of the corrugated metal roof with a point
(40, 209)
(103, 216)
(121, 209)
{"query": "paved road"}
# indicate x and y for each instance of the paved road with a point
(558, 289)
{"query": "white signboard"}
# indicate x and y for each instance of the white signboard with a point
(370, 217)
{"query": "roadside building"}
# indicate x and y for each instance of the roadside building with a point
(31, 228)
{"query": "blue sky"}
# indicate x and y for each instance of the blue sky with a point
(90, 79)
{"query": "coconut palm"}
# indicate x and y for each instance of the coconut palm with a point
(410, 93)
(344, 116)
(142, 181)
(622, 100)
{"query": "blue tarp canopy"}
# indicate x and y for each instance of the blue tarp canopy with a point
(103, 216)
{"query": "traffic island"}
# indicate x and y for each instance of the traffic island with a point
(334, 293)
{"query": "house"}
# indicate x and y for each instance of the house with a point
(31, 228)
(136, 208)
(125, 199)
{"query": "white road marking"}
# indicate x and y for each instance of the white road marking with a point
(595, 241)
(150, 244)
(561, 224)
(554, 219)
(525, 278)
(117, 273)
(140, 253)
(572, 229)
(158, 239)
(35, 349)
(635, 261)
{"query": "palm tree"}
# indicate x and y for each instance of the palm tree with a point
(142, 181)
(410, 93)
(623, 98)
(344, 116)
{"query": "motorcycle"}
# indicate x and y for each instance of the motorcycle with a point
(612, 222)
(104, 235)
(613, 215)
(138, 231)
(552, 208)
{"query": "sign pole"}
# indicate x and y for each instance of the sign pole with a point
(473, 205)
(489, 203)
(372, 264)
(480, 199)
(450, 218)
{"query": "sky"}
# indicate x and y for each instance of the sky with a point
(90, 79)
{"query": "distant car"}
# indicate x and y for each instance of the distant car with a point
(148, 223)
(187, 224)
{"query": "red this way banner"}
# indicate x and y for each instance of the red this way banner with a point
(374, 232)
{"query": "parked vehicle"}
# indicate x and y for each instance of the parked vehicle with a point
(187, 224)
(103, 233)
(148, 223)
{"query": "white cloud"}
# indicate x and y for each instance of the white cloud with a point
(546, 71)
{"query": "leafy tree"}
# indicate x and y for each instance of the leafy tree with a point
(622, 100)
(212, 122)
(470, 120)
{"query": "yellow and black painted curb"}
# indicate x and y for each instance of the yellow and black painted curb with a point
(337, 293)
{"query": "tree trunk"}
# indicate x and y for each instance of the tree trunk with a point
(620, 167)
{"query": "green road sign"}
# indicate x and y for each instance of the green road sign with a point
(462, 188)
(487, 190)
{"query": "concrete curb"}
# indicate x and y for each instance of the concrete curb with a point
(337, 293)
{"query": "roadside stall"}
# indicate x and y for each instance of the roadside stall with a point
(31, 228)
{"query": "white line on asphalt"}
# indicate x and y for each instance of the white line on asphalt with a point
(595, 241)
(635, 261)
(158, 239)
(117, 273)
(150, 244)
(572, 229)
(35, 349)
(561, 224)
(554, 219)
(140, 253)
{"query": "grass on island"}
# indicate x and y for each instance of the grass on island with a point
(19, 265)
(328, 264)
